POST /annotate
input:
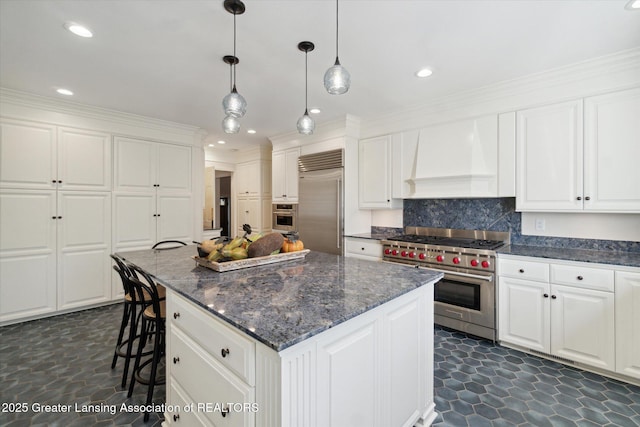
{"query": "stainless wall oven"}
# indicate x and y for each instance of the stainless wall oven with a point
(285, 217)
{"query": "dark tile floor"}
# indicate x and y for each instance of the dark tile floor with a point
(66, 360)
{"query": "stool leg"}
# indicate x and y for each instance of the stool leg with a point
(133, 331)
(157, 353)
(123, 324)
(141, 343)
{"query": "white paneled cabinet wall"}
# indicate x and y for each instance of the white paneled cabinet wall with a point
(253, 189)
(55, 226)
(284, 184)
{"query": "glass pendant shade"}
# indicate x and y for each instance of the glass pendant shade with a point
(306, 125)
(231, 124)
(234, 104)
(337, 79)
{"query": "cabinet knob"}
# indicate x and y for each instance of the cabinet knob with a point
(59, 182)
(553, 297)
(284, 195)
(546, 295)
(59, 217)
(362, 249)
(176, 315)
(176, 360)
(587, 198)
(224, 412)
(176, 417)
(578, 198)
(521, 270)
(224, 352)
(580, 277)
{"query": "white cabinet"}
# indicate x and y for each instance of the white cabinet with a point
(628, 323)
(375, 369)
(565, 163)
(252, 183)
(153, 200)
(565, 310)
(363, 248)
(284, 167)
(375, 175)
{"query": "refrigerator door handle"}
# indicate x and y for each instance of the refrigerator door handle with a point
(339, 215)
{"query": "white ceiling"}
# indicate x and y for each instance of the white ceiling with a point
(163, 58)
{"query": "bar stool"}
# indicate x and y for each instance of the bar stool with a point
(152, 325)
(132, 310)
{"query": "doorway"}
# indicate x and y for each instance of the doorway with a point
(223, 202)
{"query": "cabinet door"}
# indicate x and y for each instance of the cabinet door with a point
(84, 232)
(611, 152)
(135, 164)
(27, 155)
(583, 326)
(134, 224)
(174, 218)
(374, 173)
(349, 367)
(549, 158)
(174, 168)
(247, 179)
(249, 212)
(403, 163)
(524, 313)
(291, 174)
(27, 253)
(279, 179)
(628, 323)
(84, 160)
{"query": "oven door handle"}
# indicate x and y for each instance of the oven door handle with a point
(488, 278)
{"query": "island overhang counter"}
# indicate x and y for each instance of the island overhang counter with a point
(321, 341)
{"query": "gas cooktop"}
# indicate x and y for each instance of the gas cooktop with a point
(458, 242)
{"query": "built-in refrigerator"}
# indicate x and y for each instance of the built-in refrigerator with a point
(320, 201)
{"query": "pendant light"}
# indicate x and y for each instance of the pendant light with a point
(306, 125)
(337, 79)
(234, 104)
(230, 124)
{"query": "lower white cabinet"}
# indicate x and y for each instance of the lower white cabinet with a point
(572, 311)
(363, 248)
(375, 369)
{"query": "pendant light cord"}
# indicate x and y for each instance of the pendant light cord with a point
(337, 28)
(234, 51)
(306, 82)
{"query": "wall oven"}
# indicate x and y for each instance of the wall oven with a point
(285, 217)
(465, 298)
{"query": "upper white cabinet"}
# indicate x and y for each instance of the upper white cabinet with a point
(567, 164)
(146, 165)
(39, 156)
(252, 183)
(284, 182)
(374, 173)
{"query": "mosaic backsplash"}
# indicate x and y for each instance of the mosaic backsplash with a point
(497, 215)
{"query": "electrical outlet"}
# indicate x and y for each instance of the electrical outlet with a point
(540, 225)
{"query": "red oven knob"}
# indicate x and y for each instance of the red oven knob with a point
(439, 258)
(474, 262)
(403, 254)
(456, 260)
(387, 251)
(485, 264)
(394, 252)
(412, 254)
(422, 256)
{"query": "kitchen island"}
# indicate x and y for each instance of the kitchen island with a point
(321, 341)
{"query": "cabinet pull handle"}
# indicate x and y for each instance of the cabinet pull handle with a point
(54, 217)
(176, 360)
(521, 270)
(580, 277)
(59, 182)
(53, 181)
(224, 352)
(553, 297)
(224, 412)
(176, 417)
(546, 295)
(176, 314)
(578, 198)
(59, 217)
(587, 198)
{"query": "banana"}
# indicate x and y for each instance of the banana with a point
(234, 243)
(235, 254)
(214, 256)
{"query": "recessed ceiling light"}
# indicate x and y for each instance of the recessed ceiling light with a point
(78, 30)
(66, 92)
(425, 72)
(315, 111)
(222, 142)
(212, 145)
(633, 5)
(251, 131)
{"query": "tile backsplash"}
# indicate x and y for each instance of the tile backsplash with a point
(494, 214)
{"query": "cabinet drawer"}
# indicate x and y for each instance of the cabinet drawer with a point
(179, 400)
(366, 247)
(584, 277)
(528, 270)
(212, 388)
(233, 350)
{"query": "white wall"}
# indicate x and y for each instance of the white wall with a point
(624, 227)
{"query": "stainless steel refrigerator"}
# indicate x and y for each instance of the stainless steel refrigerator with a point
(320, 202)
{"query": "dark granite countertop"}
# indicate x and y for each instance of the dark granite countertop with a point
(619, 258)
(371, 236)
(284, 303)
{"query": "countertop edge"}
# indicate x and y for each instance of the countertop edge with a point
(591, 256)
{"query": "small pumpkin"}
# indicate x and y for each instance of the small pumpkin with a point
(292, 245)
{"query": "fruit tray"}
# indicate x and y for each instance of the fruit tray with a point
(250, 262)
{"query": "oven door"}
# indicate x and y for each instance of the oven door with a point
(466, 297)
(284, 221)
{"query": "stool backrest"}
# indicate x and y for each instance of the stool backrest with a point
(141, 282)
(124, 273)
(168, 244)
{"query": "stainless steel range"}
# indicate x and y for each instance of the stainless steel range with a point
(465, 299)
